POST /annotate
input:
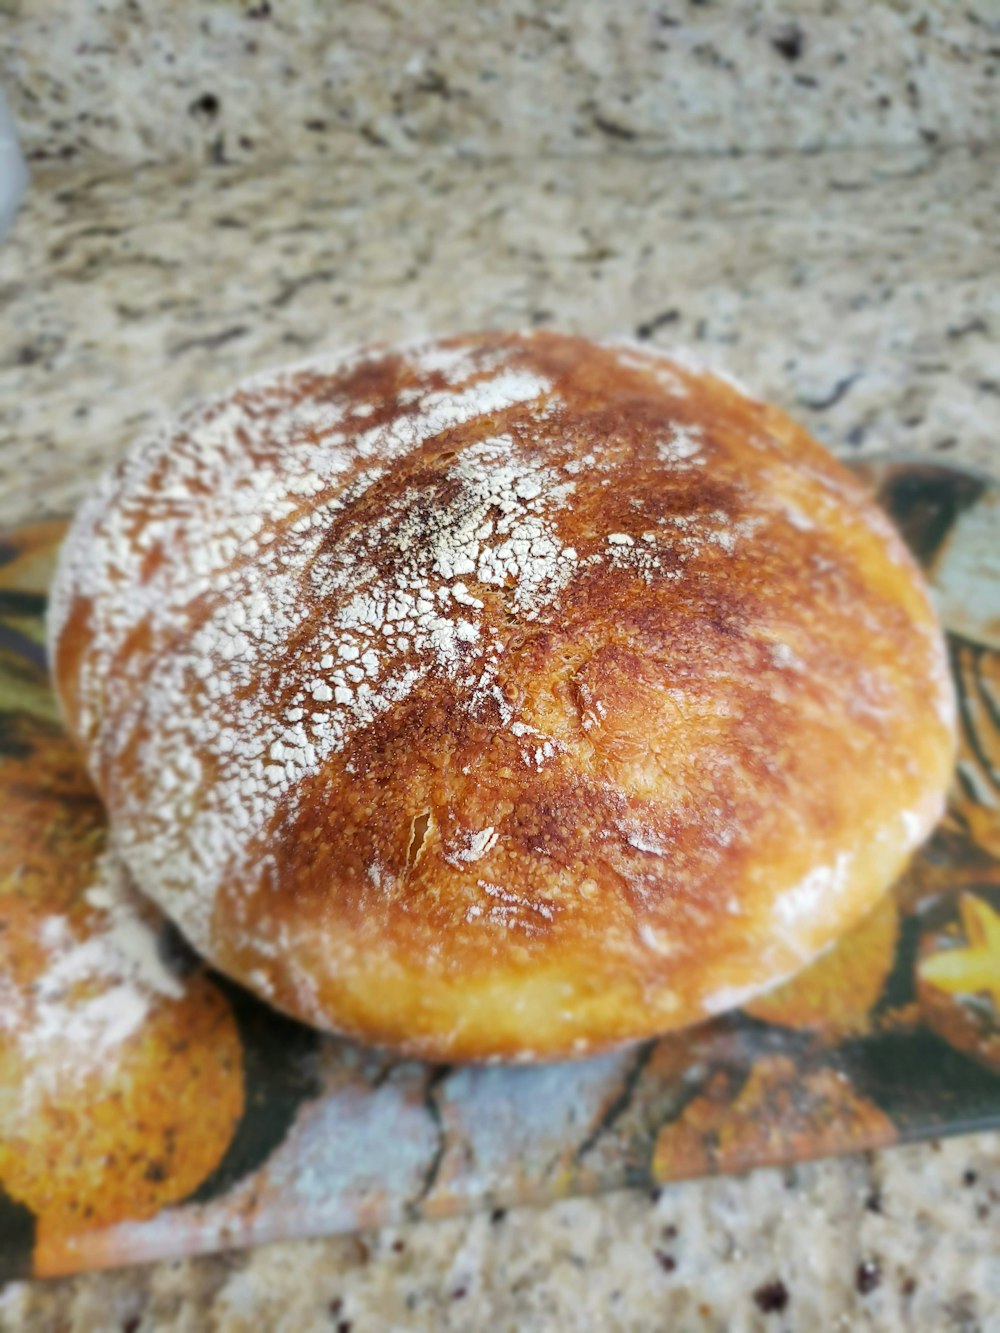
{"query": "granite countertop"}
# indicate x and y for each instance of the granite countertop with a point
(222, 81)
(903, 1239)
(857, 288)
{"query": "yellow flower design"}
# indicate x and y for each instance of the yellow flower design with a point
(976, 968)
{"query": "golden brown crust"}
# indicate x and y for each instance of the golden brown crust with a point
(505, 697)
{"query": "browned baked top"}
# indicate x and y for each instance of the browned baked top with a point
(504, 696)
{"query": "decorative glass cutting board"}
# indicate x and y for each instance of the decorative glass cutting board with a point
(151, 1109)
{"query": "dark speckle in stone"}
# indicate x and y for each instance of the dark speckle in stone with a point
(962, 1313)
(856, 435)
(210, 339)
(612, 129)
(372, 136)
(867, 1276)
(647, 328)
(771, 1297)
(789, 42)
(206, 105)
(974, 325)
(839, 391)
(435, 85)
(969, 1178)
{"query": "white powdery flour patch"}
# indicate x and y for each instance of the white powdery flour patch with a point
(509, 910)
(913, 826)
(682, 538)
(639, 356)
(230, 721)
(279, 619)
(803, 902)
(732, 997)
(663, 365)
(643, 840)
(477, 845)
(95, 992)
(540, 749)
(640, 555)
(797, 518)
(694, 365)
(681, 446)
(783, 657)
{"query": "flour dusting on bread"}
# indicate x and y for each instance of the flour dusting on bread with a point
(251, 533)
(486, 658)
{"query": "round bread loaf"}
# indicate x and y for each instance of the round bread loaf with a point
(506, 697)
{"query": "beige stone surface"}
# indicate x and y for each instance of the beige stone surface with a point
(907, 1239)
(858, 290)
(267, 80)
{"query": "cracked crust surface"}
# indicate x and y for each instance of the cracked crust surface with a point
(507, 697)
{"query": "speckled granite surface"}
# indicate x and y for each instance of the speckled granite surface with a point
(908, 1240)
(284, 79)
(859, 289)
